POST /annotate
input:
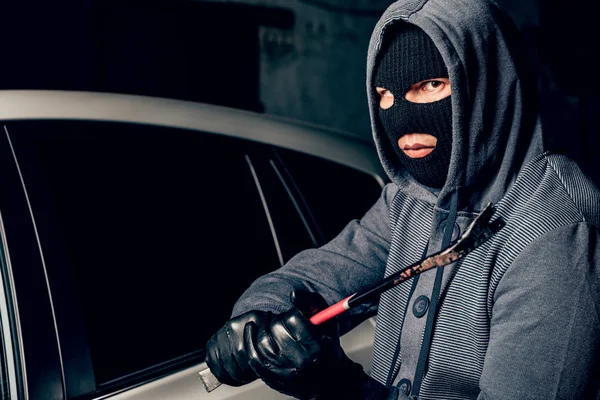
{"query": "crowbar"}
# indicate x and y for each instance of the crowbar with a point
(480, 230)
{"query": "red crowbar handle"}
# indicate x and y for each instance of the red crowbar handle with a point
(480, 230)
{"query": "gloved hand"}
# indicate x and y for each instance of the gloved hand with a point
(299, 359)
(226, 354)
(290, 354)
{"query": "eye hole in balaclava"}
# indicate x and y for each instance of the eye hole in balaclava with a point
(409, 56)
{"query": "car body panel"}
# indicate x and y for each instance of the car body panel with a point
(186, 384)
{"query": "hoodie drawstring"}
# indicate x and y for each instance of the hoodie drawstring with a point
(448, 230)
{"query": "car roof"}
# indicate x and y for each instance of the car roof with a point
(338, 146)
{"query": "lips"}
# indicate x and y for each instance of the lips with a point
(417, 150)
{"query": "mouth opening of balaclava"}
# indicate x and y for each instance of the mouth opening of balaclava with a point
(408, 56)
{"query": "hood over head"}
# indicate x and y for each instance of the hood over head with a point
(495, 121)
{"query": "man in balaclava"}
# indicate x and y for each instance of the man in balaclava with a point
(407, 58)
(515, 318)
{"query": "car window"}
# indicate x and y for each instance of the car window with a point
(150, 234)
(334, 193)
(291, 222)
(162, 230)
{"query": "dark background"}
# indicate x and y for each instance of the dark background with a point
(302, 59)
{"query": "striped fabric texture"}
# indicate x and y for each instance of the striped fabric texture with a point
(550, 193)
(408, 244)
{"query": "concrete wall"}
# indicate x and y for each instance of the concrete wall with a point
(315, 71)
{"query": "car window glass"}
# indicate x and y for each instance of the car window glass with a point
(334, 193)
(289, 219)
(162, 229)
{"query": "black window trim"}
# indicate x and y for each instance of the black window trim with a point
(36, 329)
(298, 199)
(294, 202)
(264, 155)
(41, 254)
(10, 325)
(266, 209)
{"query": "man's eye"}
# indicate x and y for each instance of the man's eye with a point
(431, 85)
(387, 93)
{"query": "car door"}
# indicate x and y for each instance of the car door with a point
(136, 228)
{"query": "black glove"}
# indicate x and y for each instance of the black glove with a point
(226, 355)
(299, 359)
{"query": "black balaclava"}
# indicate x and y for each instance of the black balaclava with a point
(409, 56)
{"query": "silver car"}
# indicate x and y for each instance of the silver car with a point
(131, 224)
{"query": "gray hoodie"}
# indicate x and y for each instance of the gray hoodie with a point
(520, 316)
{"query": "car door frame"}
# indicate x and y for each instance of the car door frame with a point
(38, 362)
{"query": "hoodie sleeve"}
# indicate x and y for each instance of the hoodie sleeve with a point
(353, 260)
(545, 325)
